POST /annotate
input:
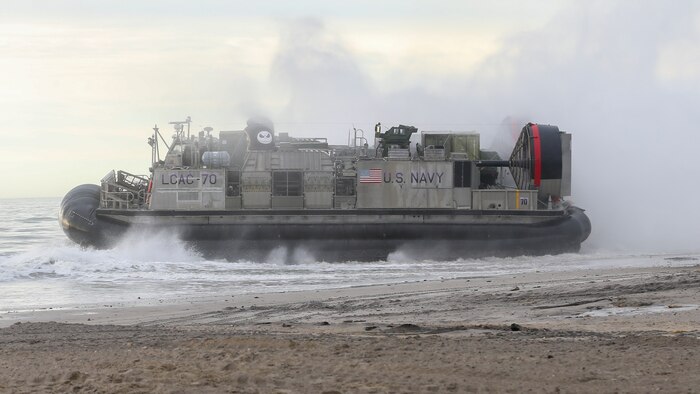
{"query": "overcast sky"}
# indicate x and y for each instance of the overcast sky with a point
(83, 82)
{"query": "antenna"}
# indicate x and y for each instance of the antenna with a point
(354, 139)
(180, 127)
(154, 142)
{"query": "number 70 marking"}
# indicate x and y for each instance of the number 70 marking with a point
(208, 179)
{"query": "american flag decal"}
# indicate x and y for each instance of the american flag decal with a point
(373, 175)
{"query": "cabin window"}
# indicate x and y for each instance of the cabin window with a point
(345, 186)
(459, 144)
(233, 183)
(462, 174)
(287, 183)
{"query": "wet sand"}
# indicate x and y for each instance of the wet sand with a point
(625, 330)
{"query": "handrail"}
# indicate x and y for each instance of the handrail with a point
(121, 200)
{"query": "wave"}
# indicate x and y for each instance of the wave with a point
(137, 252)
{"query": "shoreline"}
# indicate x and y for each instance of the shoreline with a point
(627, 329)
(153, 312)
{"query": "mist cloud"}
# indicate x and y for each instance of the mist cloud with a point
(599, 70)
(322, 79)
(594, 71)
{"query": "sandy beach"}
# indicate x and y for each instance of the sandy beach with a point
(612, 330)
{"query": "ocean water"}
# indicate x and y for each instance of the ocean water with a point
(41, 268)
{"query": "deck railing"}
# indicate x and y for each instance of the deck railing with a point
(122, 190)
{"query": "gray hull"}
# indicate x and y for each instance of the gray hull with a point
(338, 235)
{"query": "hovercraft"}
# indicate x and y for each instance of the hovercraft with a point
(246, 192)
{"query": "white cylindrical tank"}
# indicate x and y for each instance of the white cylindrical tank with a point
(216, 159)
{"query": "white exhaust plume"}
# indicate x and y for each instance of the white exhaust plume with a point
(606, 72)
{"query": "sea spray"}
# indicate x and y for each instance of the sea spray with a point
(148, 268)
